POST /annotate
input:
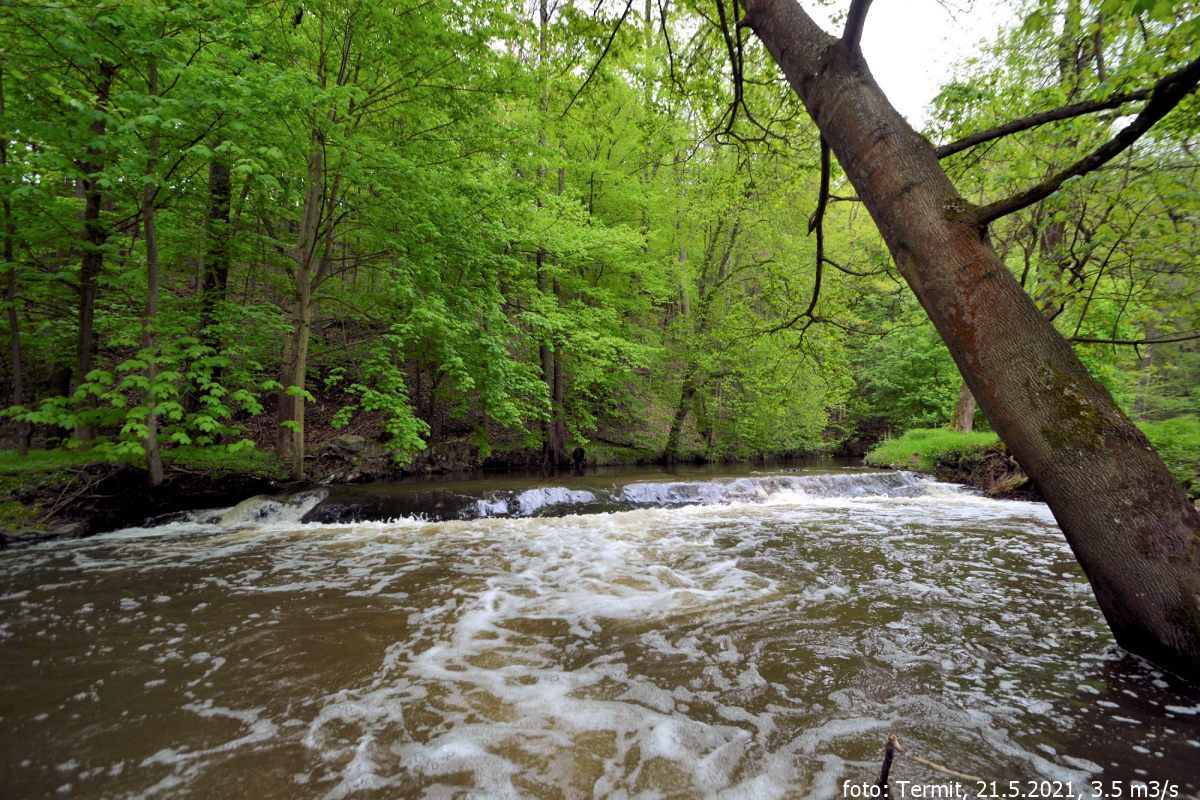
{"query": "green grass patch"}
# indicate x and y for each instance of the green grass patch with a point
(1178, 442)
(203, 459)
(12, 462)
(922, 448)
(218, 459)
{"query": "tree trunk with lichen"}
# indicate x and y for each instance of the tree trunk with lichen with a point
(1128, 522)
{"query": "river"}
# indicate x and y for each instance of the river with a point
(740, 636)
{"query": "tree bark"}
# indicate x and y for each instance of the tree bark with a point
(95, 234)
(687, 393)
(964, 411)
(217, 255)
(214, 271)
(1127, 521)
(554, 427)
(10, 297)
(308, 276)
(154, 465)
(290, 446)
(14, 331)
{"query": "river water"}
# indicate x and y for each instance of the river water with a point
(754, 636)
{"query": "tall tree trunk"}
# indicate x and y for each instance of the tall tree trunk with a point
(95, 234)
(554, 428)
(214, 281)
(10, 294)
(964, 411)
(1127, 521)
(154, 465)
(686, 394)
(311, 269)
(214, 274)
(1145, 373)
(14, 330)
(558, 388)
(290, 446)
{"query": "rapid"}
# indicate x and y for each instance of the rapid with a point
(750, 636)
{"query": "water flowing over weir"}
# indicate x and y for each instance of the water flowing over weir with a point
(587, 496)
(752, 636)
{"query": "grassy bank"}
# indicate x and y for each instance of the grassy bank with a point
(977, 459)
(55, 493)
(980, 458)
(923, 449)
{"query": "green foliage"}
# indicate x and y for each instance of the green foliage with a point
(904, 377)
(1178, 442)
(477, 247)
(13, 463)
(385, 393)
(1113, 254)
(119, 401)
(922, 448)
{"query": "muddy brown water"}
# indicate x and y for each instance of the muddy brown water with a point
(758, 638)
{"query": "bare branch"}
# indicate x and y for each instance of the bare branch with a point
(818, 216)
(817, 223)
(856, 273)
(855, 19)
(667, 39)
(1040, 118)
(1165, 95)
(599, 61)
(1137, 342)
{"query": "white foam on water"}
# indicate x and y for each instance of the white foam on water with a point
(752, 647)
(533, 500)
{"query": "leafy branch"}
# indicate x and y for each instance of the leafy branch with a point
(1164, 97)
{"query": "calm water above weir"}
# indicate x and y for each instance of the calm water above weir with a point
(754, 637)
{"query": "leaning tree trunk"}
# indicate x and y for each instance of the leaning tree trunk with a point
(1128, 522)
(671, 452)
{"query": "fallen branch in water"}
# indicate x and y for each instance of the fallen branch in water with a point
(889, 752)
(893, 746)
(87, 482)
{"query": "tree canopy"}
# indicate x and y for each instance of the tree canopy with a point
(535, 229)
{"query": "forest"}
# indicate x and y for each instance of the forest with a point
(543, 234)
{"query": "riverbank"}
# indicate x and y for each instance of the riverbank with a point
(980, 459)
(974, 459)
(55, 494)
(66, 494)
